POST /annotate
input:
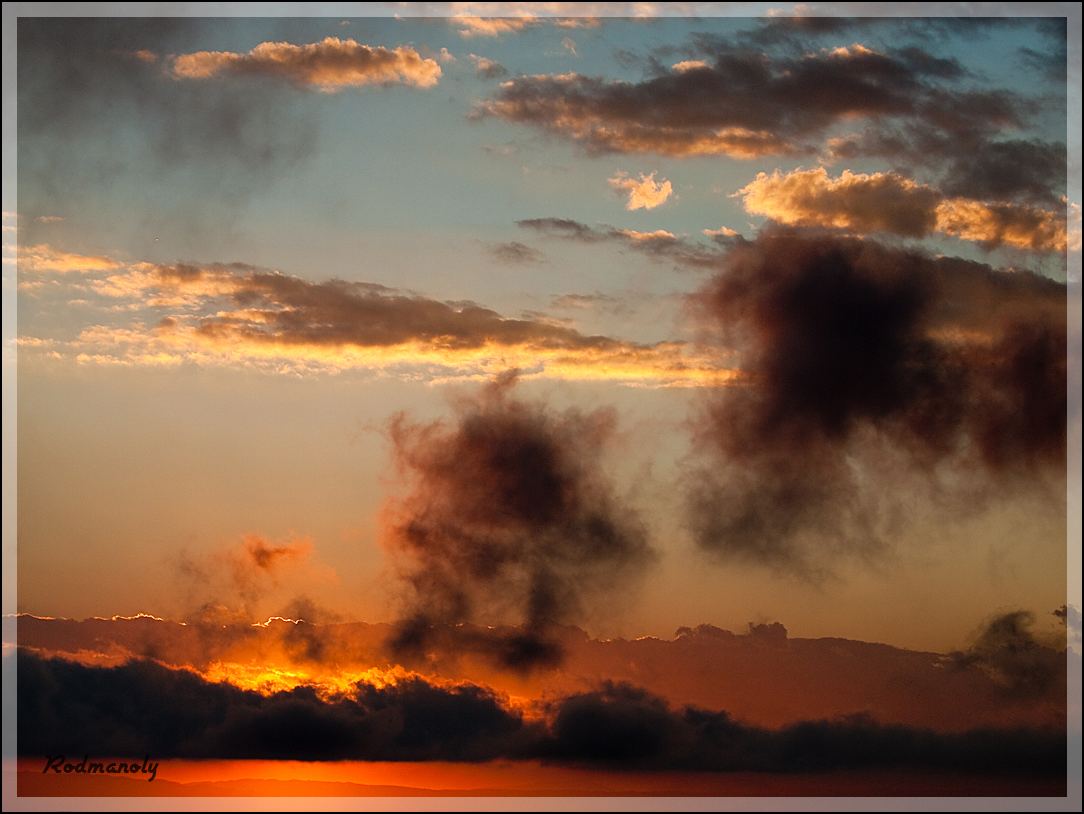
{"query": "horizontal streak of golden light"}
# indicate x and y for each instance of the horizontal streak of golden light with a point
(662, 365)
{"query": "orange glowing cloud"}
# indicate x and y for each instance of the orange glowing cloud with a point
(646, 193)
(42, 258)
(643, 237)
(495, 19)
(890, 202)
(240, 315)
(328, 66)
(470, 26)
(1024, 227)
(689, 65)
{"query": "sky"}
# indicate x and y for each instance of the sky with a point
(543, 400)
(786, 297)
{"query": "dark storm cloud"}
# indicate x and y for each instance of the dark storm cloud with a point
(507, 509)
(142, 708)
(847, 348)
(516, 253)
(102, 80)
(622, 726)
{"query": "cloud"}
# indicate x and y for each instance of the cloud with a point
(656, 236)
(488, 69)
(508, 511)
(827, 677)
(690, 65)
(1008, 650)
(889, 202)
(42, 258)
(587, 301)
(721, 233)
(471, 26)
(659, 244)
(852, 356)
(231, 314)
(621, 725)
(744, 103)
(647, 193)
(495, 19)
(1023, 227)
(564, 228)
(232, 584)
(516, 253)
(974, 164)
(329, 65)
(267, 557)
(142, 708)
(859, 202)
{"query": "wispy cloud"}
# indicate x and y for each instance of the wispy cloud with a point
(486, 68)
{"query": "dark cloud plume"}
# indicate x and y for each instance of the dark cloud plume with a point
(854, 356)
(1012, 654)
(142, 708)
(508, 511)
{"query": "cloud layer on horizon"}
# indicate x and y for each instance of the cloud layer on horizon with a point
(143, 708)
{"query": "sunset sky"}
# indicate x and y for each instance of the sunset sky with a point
(550, 321)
